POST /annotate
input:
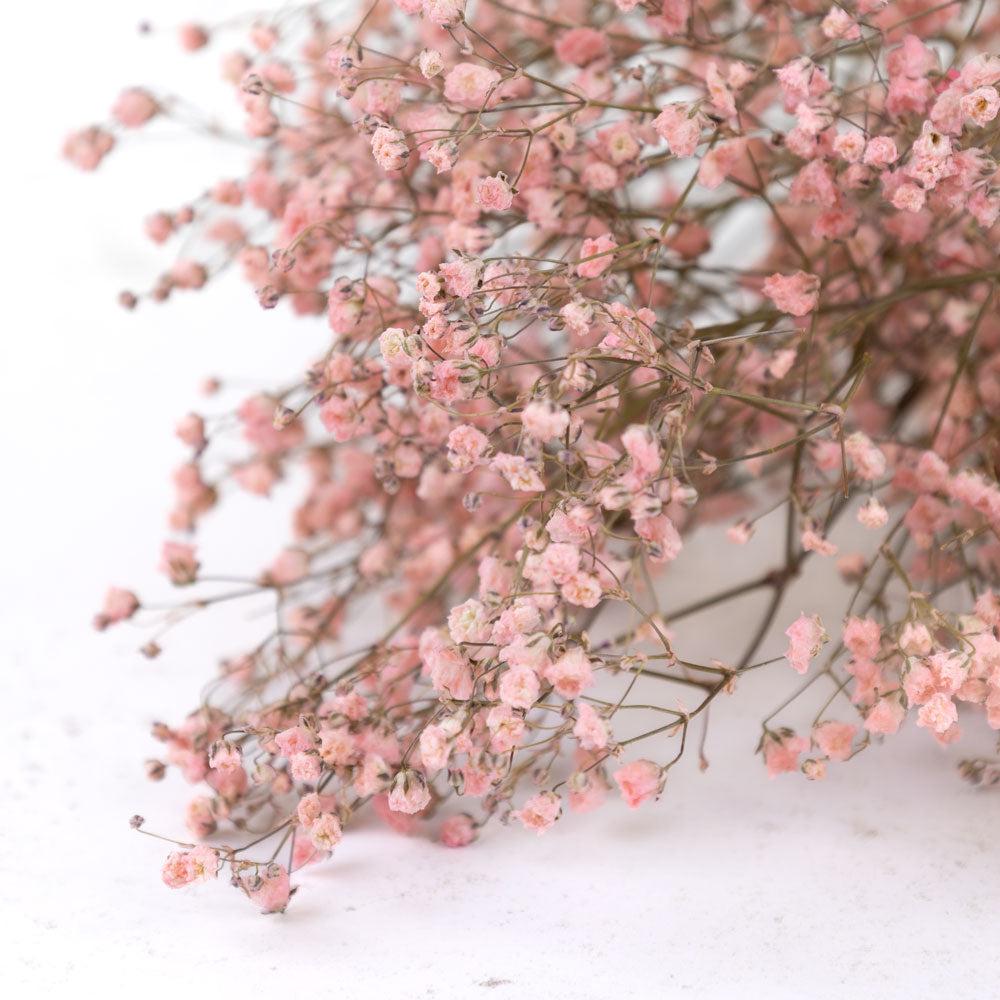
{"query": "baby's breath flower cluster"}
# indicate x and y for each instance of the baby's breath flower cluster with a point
(553, 352)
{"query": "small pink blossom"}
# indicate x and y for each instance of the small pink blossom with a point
(981, 106)
(781, 754)
(119, 605)
(596, 256)
(493, 194)
(639, 782)
(469, 84)
(680, 127)
(539, 812)
(458, 831)
(872, 514)
(326, 832)
(409, 793)
(796, 294)
(444, 13)
(834, 739)
(580, 46)
(938, 713)
(519, 687)
(869, 461)
(590, 729)
(187, 867)
(806, 636)
(571, 674)
(885, 717)
(268, 887)
(880, 152)
(134, 107)
(179, 563)
(518, 473)
(544, 421)
(839, 24)
(863, 637)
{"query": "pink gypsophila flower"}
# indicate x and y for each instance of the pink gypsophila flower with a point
(806, 636)
(639, 782)
(796, 294)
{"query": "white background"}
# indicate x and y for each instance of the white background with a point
(881, 882)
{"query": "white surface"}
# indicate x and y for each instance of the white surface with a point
(881, 882)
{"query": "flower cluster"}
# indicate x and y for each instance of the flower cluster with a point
(549, 359)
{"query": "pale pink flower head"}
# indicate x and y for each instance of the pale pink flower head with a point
(582, 589)
(639, 781)
(179, 563)
(880, 152)
(466, 446)
(812, 541)
(544, 421)
(519, 687)
(442, 155)
(469, 622)
(519, 474)
(326, 832)
(444, 13)
(814, 770)
(192, 37)
(199, 817)
(909, 197)
(389, 148)
(187, 867)
(493, 194)
(458, 831)
(295, 739)
(781, 753)
(796, 294)
(863, 637)
(834, 739)
(869, 461)
(461, 277)
(539, 812)
(85, 149)
(409, 792)
(561, 561)
(981, 106)
(680, 127)
(268, 887)
(938, 713)
(469, 84)
(839, 24)
(119, 605)
(571, 674)
(643, 448)
(506, 728)
(191, 430)
(950, 669)
(806, 636)
(580, 46)
(872, 514)
(430, 62)
(600, 250)
(435, 747)
(134, 107)
(663, 540)
(886, 716)
(590, 729)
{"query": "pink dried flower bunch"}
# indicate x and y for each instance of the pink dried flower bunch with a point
(548, 361)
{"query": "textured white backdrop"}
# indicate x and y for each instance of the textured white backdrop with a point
(881, 882)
